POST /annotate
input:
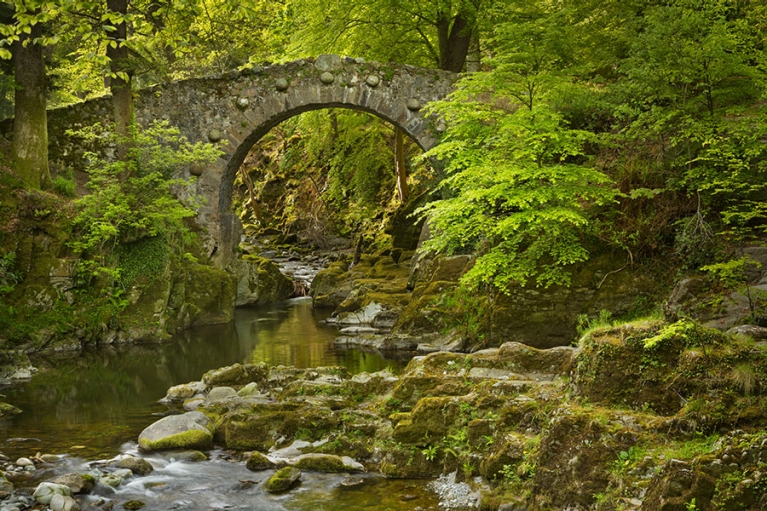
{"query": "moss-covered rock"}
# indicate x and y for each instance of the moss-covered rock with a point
(681, 369)
(321, 463)
(258, 462)
(259, 281)
(192, 430)
(282, 480)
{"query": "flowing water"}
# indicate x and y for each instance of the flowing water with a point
(93, 406)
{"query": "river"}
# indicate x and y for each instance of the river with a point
(93, 406)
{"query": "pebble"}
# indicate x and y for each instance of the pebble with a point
(453, 495)
(24, 462)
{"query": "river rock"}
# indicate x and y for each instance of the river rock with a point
(191, 430)
(136, 465)
(257, 462)
(5, 486)
(234, 374)
(282, 480)
(45, 492)
(251, 389)
(220, 393)
(112, 480)
(24, 462)
(76, 482)
(193, 404)
(63, 503)
(179, 393)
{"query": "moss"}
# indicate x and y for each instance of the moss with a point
(257, 462)
(322, 463)
(188, 439)
(133, 504)
(8, 410)
(282, 480)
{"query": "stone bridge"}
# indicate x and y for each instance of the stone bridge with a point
(235, 109)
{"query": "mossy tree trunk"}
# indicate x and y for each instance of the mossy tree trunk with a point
(120, 81)
(453, 39)
(30, 126)
(399, 165)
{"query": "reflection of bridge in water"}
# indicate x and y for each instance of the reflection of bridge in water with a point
(237, 108)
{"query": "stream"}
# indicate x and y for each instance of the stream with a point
(92, 407)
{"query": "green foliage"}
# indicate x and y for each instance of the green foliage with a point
(467, 311)
(136, 199)
(9, 276)
(730, 273)
(514, 192)
(64, 185)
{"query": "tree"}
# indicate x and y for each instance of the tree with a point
(515, 190)
(433, 33)
(30, 126)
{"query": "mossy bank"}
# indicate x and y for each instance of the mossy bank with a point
(647, 415)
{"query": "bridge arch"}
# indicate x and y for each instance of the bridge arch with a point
(237, 108)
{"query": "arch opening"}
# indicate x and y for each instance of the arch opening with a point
(323, 177)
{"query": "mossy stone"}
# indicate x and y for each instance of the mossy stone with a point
(282, 480)
(257, 462)
(321, 463)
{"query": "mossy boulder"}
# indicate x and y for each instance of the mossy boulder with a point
(191, 430)
(681, 369)
(576, 457)
(282, 480)
(258, 462)
(8, 410)
(321, 463)
(260, 426)
(329, 287)
(259, 281)
(234, 374)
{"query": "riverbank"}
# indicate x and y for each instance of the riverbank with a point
(645, 416)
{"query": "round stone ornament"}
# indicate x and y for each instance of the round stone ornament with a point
(214, 135)
(196, 169)
(372, 80)
(327, 78)
(242, 103)
(281, 84)
(413, 104)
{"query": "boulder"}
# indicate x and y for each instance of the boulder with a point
(63, 503)
(259, 281)
(76, 482)
(257, 462)
(282, 480)
(45, 492)
(136, 465)
(234, 374)
(180, 393)
(191, 430)
(220, 393)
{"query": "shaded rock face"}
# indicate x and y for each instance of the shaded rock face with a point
(259, 281)
(696, 297)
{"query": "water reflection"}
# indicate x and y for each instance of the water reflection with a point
(91, 404)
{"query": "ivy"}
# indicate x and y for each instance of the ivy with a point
(136, 199)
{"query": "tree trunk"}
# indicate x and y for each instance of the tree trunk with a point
(399, 165)
(30, 126)
(473, 58)
(453, 41)
(252, 194)
(120, 84)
